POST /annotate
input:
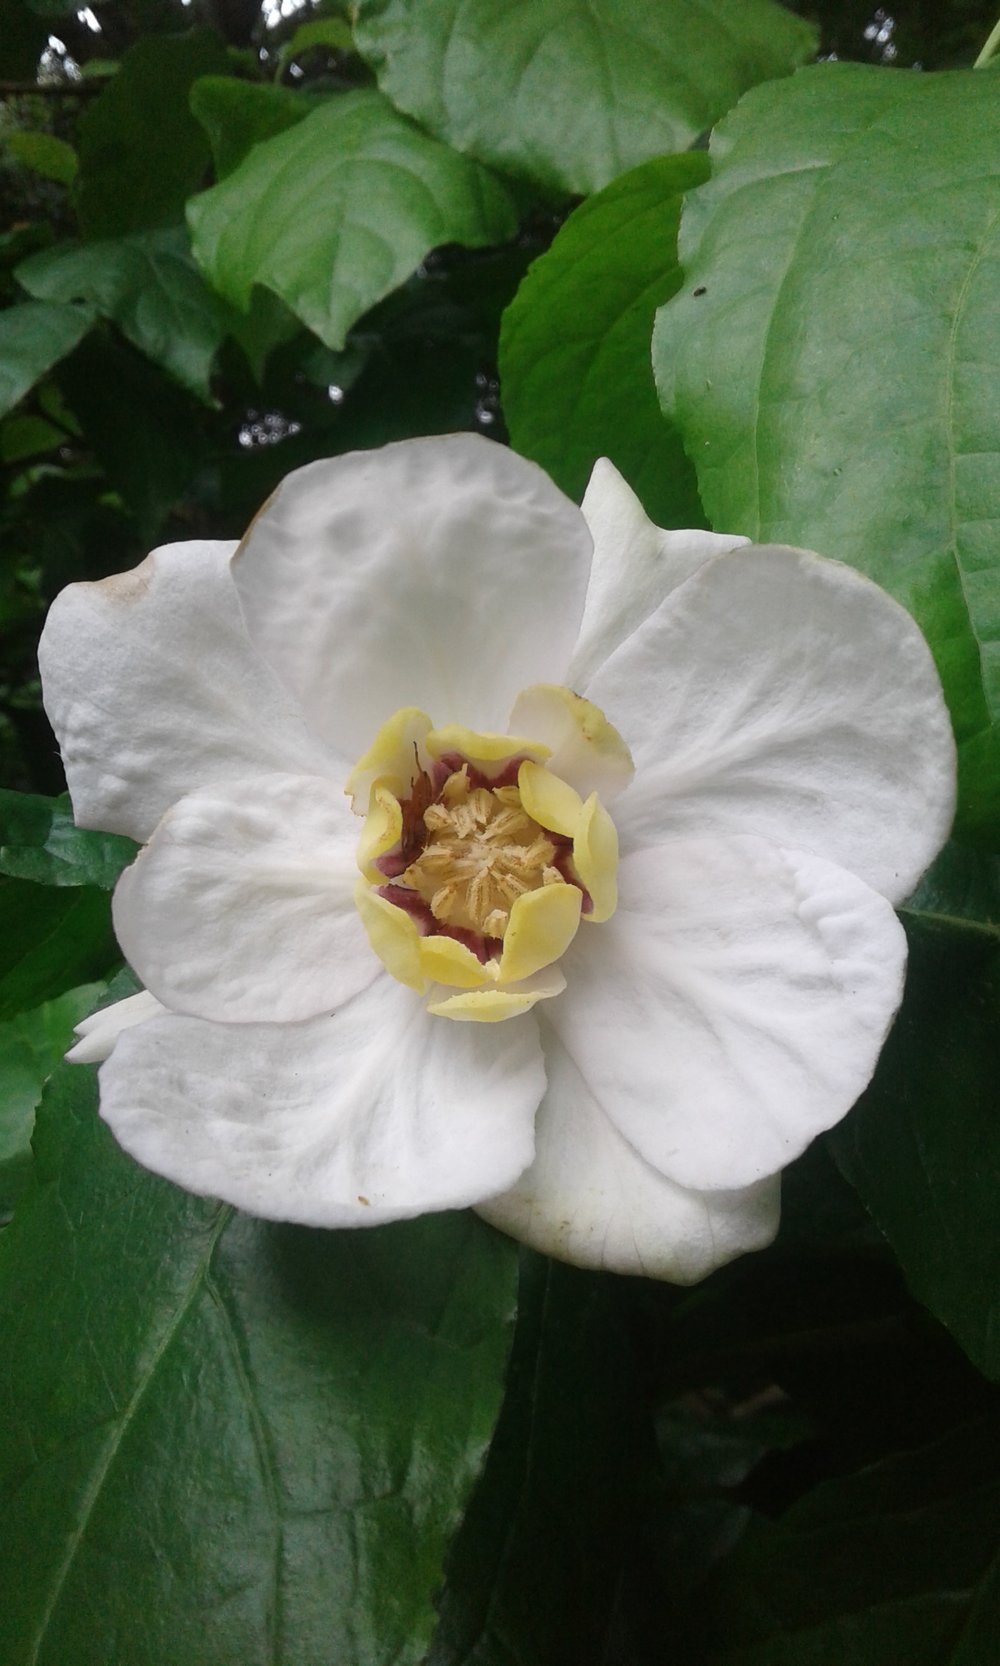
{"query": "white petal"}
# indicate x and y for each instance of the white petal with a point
(375, 1114)
(153, 688)
(589, 1198)
(101, 1030)
(636, 564)
(781, 694)
(441, 573)
(733, 1007)
(241, 908)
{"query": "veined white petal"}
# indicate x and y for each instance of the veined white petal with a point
(733, 1007)
(443, 573)
(636, 564)
(375, 1114)
(780, 694)
(153, 688)
(241, 908)
(590, 1199)
(99, 1032)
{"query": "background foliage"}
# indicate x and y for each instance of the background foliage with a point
(237, 237)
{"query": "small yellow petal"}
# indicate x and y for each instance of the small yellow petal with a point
(446, 961)
(595, 857)
(488, 752)
(542, 926)
(586, 750)
(492, 1006)
(382, 829)
(393, 936)
(391, 757)
(548, 800)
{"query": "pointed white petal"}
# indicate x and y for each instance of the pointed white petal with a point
(443, 573)
(153, 688)
(590, 1199)
(733, 1007)
(636, 564)
(378, 1113)
(241, 907)
(781, 694)
(101, 1030)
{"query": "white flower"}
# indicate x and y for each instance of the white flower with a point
(389, 621)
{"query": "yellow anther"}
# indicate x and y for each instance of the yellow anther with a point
(484, 853)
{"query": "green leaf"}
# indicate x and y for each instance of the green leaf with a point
(141, 151)
(150, 287)
(44, 154)
(898, 1563)
(39, 841)
(143, 429)
(389, 195)
(50, 941)
(567, 94)
(834, 359)
(960, 892)
(574, 347)
(31, 1046)
(237, 115)
(33, 337)
(923, 1145)
(268, 1432)
(534, 1572)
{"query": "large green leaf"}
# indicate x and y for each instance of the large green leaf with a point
(33, 337)
(50, 941)
(267, 1433)
(567, 1468)
(898, 1565)
(237, 115)
(150, 287)
(40, 841)
(574, 348)
(568, 93)
(923, 1145)
(388, 194)
(31, 1046)
(834, 359)
(141, 151)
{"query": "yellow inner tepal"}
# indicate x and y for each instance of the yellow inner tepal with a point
(506, 867)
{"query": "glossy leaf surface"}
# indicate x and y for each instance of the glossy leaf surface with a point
(267, 1432)
(833, 361)
(33, 337)
(569, 95)
(389, 193)
(149, 286)
(574, 348)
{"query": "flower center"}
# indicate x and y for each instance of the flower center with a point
(479, 862)
(483, 852)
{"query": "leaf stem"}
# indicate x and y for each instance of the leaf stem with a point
(992, 44)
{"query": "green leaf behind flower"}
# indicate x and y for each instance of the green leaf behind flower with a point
(268, 1433)
(336, 212)
(33, 337)
(31, 1045)
(574, 347)
(898, 1563)
(150, 287)
(568, 94)
(141, 150)
(833, 361)
(923, 1145)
